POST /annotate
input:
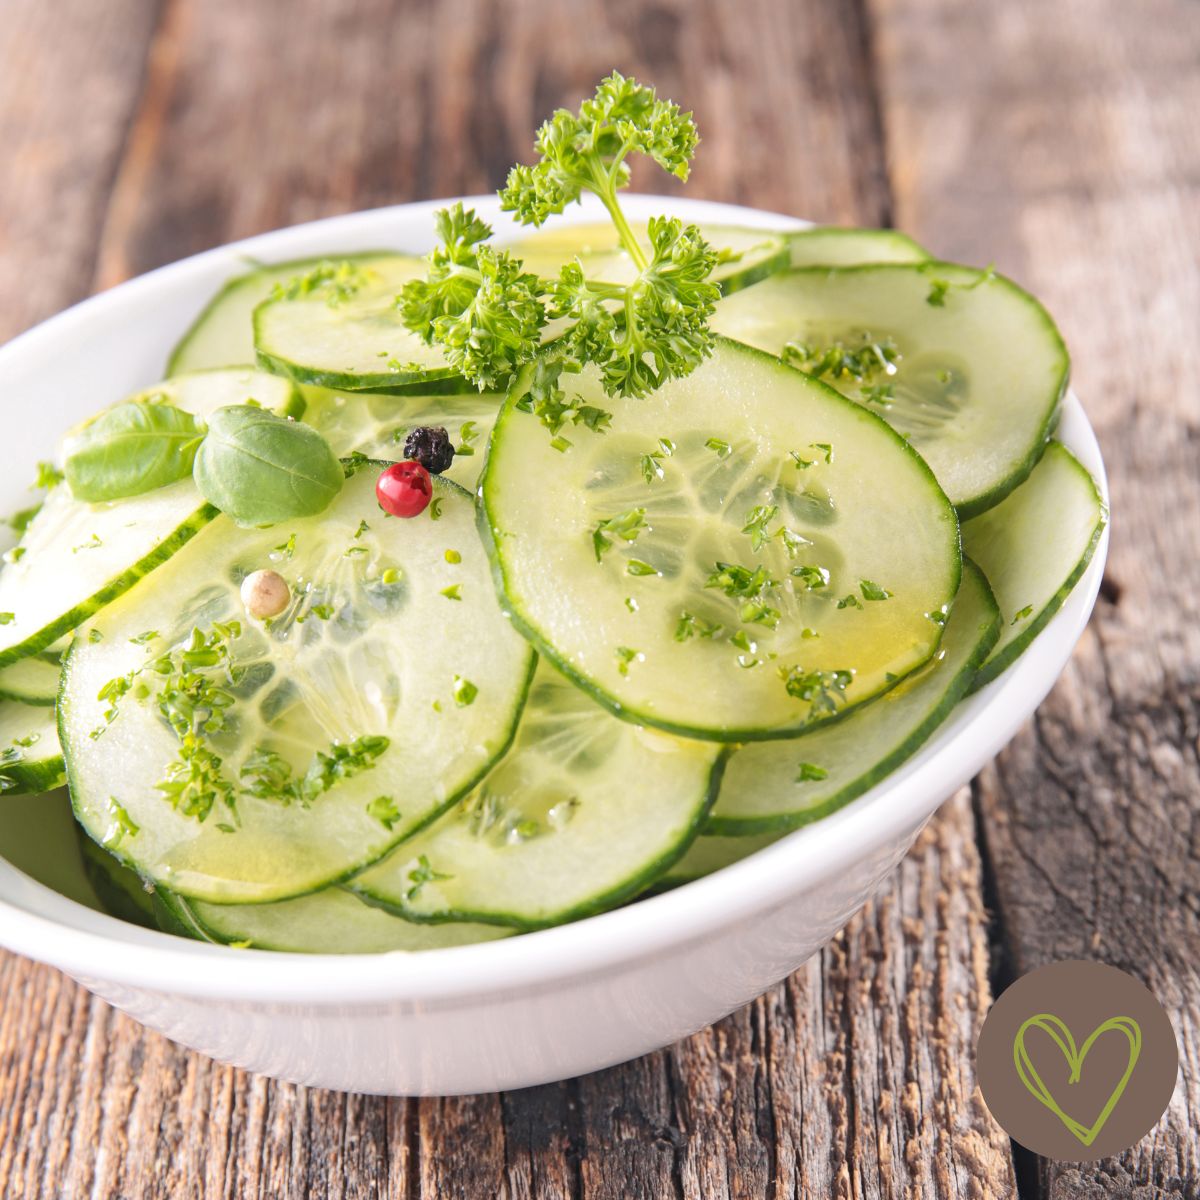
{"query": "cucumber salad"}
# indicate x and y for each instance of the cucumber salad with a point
(431, 600)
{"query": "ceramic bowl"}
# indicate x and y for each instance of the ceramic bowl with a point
(507, 1014)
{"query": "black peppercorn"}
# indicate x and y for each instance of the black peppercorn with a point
(430, 446)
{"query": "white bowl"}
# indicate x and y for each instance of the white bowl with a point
(507, 1014)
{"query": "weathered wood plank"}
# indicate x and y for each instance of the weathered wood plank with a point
(1061, 141)
(72, 74)
(852, 1078)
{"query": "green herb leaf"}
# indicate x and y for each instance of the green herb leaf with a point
(810, 773)
(131, 449)
(464, 691)
(1022, 614)
(720, 447)
(259, 469)
(872, 591)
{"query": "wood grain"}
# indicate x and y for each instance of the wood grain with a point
(995, 132)
(1061, 141)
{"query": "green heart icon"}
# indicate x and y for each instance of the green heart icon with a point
(1057, 1030)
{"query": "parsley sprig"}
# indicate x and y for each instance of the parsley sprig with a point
(489, 315)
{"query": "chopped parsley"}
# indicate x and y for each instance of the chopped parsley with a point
(452, 557)
(334, 282)
(284, 551)
(384, 810)
(124, 825)
(635, 566)
(690, 626)
(464, 691)
(1020, 615)
(849, 601)
(625, 656)
(862, 363)
(721, 448)
(7, 618)
(822, 690)
(420, 875)
(757, 520)
(453, 592)
(467, 433)
(626, 526)
(810, 773)
(651, 463)
(269, 776)
(872, 591)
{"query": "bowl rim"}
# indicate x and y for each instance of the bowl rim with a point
(46, 926)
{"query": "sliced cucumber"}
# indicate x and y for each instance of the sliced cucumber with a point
(223, 334)
(333, 921)
(639, 629)
(30, 759)
(963, 363)
(353, 338)
(387, 635)
(714, 852)
(119, 890)
(584, 813)
(32, 680)
(836, 246)
(745, 255)
(1034, 548)
(376, 425)
(75, 557)
(782, 785)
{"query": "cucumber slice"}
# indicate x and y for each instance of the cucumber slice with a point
(585, 813)
(332, 921)
(119, 890)
(782, 785)
(376, 425)
(1034, 548)
(223, 334)
(354, 342)
(638, 629)
(32, 680)
(745, 255)
(76, 558)
(442, 676)
(835, 246)
(714, 852)
(978, 372)
(30, 759)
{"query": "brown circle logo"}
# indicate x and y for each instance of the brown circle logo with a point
(1077, 1060)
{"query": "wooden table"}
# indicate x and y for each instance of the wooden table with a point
(1059, 139)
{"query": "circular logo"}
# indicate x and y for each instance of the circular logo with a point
(1077, 1060)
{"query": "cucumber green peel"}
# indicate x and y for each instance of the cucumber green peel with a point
(1035, 546)
(835, 246)
(332, 921)
(346, 334)
(777, 786)
(222, 335)
(76, 558)
(32, 680)
(963, 363)
(30, 759)
(583, 814)
(370, 705)
(718, 565)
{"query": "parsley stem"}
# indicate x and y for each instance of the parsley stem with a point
(628, 240)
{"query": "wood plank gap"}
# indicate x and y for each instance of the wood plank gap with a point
(1001, 973)
(141, 145)
(864, 23)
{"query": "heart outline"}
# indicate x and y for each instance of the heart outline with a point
(1056, 1029)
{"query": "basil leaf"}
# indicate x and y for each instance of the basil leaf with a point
(130, 449)
(260, 469)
